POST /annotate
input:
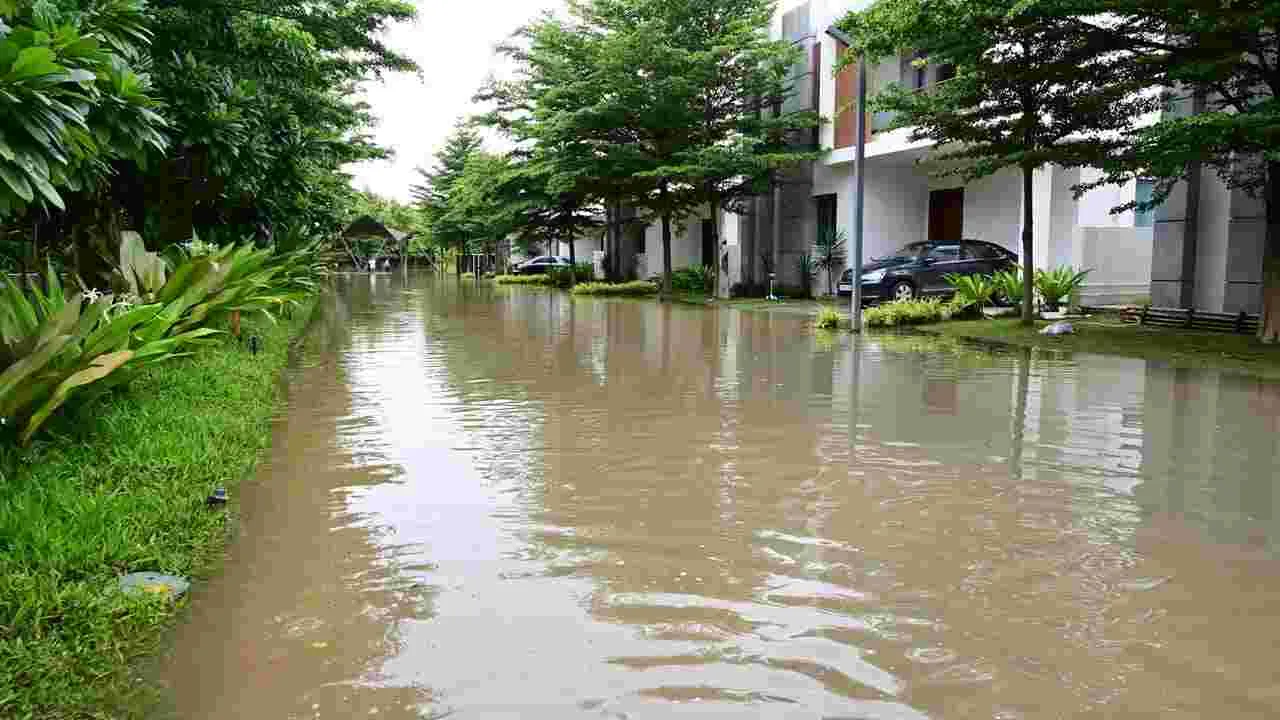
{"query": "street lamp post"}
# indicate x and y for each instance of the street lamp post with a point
(859, 179)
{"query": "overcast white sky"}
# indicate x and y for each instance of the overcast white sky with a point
(453, 42)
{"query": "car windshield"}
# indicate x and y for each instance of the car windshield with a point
(905, 254)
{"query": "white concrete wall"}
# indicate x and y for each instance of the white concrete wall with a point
(1063, 231)
(686, 246)
(993, 209)
(1119, 259)
(582, 247)
(1095, 205)
(896, 209)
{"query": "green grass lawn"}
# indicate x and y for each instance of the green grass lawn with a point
(120, 486)
(1108, 335)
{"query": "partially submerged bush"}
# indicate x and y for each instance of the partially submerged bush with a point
(906, 312)
(827, 319)
(636, 287)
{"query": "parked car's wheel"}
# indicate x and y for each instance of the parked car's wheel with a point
(902, 290)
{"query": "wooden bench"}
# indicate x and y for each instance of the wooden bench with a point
(1190, 319)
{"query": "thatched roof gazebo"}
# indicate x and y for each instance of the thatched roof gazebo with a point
(386, 241)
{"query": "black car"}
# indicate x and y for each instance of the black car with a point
(920, 269)
(541, 264)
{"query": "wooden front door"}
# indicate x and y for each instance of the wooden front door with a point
(946, 214)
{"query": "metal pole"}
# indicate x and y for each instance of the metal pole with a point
(859, 184)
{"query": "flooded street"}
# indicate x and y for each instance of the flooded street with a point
(492, 502)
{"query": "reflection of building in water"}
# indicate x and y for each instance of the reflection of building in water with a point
(1211, 452)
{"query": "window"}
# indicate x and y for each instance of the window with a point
(944, 253)
(1142, 194)
(983, 251)
(827, 219)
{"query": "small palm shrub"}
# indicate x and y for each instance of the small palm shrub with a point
(827, 319)
(971, 290)
(906, 312)
(634, 288)
(828, 253)
(1009, 285)
(1056, 284)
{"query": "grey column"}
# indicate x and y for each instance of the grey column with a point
(1175, 235)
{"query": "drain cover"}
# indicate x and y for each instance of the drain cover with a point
(170, 586)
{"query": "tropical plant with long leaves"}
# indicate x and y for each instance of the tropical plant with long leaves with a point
(1058, 283)
(57, 346)
(1009, 285)
(971, 290)
(829, 255)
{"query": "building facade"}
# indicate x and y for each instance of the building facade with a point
(1204, 253)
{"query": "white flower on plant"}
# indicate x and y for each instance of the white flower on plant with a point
(92, 295)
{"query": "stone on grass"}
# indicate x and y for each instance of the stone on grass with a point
(1059, 328)
(170, 586)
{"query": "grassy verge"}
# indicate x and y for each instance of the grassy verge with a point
(120, 486)
(1110, 336)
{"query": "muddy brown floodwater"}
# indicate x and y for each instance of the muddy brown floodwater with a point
(488, 502)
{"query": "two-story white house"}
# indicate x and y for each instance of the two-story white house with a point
(1204, 253)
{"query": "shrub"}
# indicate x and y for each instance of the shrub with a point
(971, 290)
(523, 280)
(693, 279)
(636, 287)
(828, 253)
(1009, 285)
(55, 348)
(1058, 283)
(827, 319)
(906, 312)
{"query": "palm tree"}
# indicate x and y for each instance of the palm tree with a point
(828, 253)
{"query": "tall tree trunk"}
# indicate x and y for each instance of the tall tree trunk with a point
(610, 227)
(714, 206)
(1269, 323)
(666, 254)
(1028, 249)
(750, 278)
(776, 240)
(573, 262)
